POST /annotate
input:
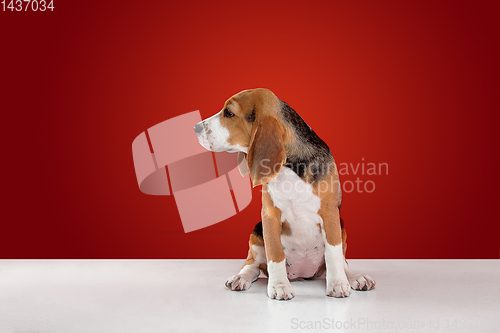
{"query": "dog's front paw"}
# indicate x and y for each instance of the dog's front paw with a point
(280, 291)
(338, 288)
(361, 282)
(238, 283)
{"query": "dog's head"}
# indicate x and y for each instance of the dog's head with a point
(249, 123)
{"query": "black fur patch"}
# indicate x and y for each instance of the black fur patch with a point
(317, 157)
(298, 165)
(250, 117)
(257, 231)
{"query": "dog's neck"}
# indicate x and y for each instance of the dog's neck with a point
(306, 154)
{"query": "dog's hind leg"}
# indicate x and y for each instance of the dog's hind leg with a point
(359, 281)
(255, 262)
(356, 280)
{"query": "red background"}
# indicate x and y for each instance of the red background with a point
(411, 84)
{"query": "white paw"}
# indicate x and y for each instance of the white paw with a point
(280, 291)
(338, 288)
(238, 283)
(361, 282)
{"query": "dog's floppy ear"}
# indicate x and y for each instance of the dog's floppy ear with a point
(266, 151)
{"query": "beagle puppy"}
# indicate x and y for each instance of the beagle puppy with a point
(301, 233)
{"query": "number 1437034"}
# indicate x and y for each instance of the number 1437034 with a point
(27, 5)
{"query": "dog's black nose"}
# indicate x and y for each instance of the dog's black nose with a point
(198, 128)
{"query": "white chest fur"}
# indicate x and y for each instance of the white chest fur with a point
(304, 248)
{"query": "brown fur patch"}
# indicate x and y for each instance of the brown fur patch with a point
(328, 190)
(240, 131)
(271, 224)
(344, 237)
(263, 268)
(285, 229)
(251, 257)
(331, 225)
(255, 240)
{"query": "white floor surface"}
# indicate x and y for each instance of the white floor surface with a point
(189, 296)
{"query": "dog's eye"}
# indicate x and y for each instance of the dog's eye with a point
(228, 114)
